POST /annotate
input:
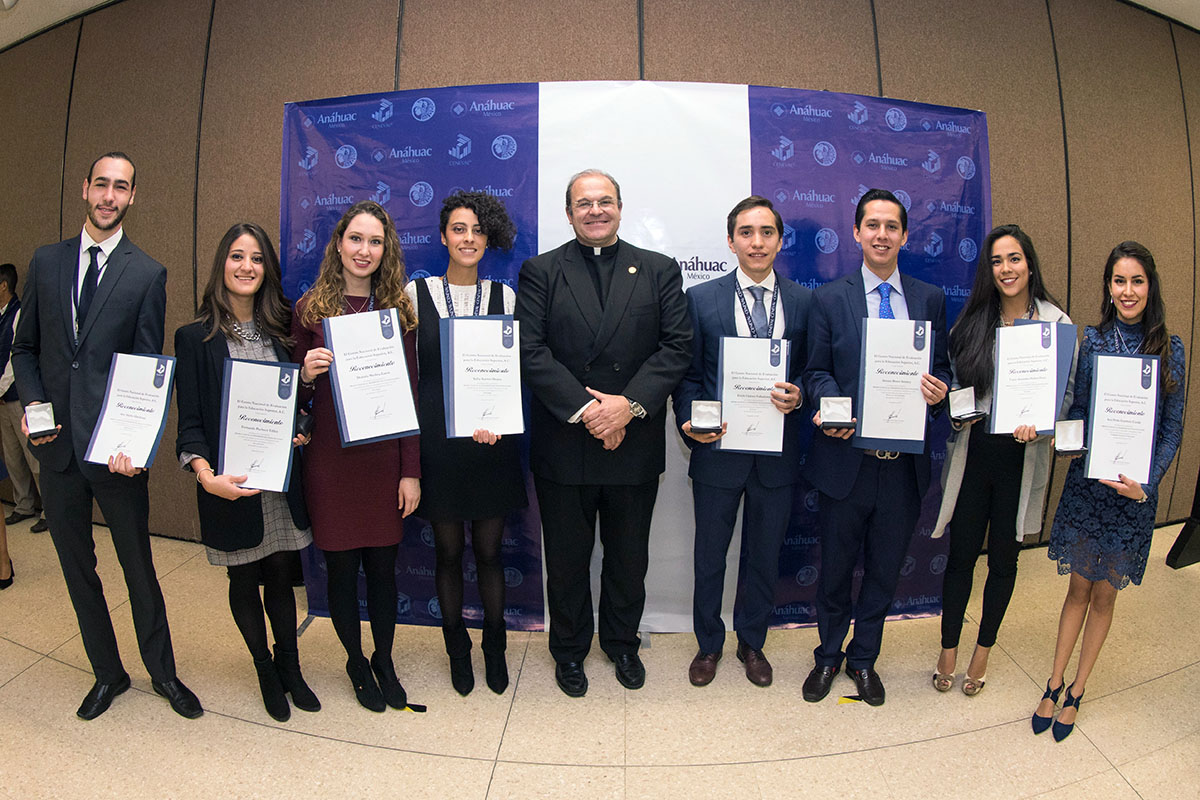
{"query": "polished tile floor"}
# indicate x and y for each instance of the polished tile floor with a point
(1138, 733)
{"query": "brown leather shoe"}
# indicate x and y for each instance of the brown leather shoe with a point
(703, 668)
(758, 669)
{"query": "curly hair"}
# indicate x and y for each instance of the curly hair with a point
(272, 312)
(327, 296)
(493, 217)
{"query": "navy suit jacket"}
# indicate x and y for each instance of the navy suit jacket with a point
(126, 316)
(711, 308)
(834, 352)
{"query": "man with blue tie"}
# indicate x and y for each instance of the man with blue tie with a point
(870, 499)
(736, 305)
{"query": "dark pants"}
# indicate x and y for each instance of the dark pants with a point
(125, 504)
(876, 521)
(987, 504)
(569, 515)
(764, 523)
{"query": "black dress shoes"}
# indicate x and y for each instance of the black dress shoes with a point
(41, 526)
(100, 698)
(817, 684)
(181, 698)
(571, 678)
(758, 669)
(870, 687)
(15, 517)
(631, 673)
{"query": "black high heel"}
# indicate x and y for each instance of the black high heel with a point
(12, 573)
(365, 689)
(1062, 731)
(1040, 724)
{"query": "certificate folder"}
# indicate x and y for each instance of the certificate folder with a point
(258, 421)
(893, 346)
(1064, 339)
(1122, 416)
(134, 413)
(747, 371)
(481, 375)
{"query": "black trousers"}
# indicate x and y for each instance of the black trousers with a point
(125, 504)
(875, 521)
(987, 504)
(569, 514)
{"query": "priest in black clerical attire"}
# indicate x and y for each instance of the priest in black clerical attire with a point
(605, 339)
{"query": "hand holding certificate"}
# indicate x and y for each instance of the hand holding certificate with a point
(1122, 416)
(481, 373)
(896, 354)
(134, 413)
(258, 414)
(369, 377)
(749, 370)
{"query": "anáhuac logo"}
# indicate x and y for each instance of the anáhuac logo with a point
(966, 168)
(307, 243)
(904, 198)
(423, 109)
(305, 203)
(956, 208)
(346, 156)
(887, 160)
(384, 112)
(458, 109)
(490, 107)
(782, 195)
(378, 155)
(784, 150)
(494, 191)
(310, 159)
(824, 153)
(810, 197)
(408, 239)
(935, 245)
(697, 266)
(409, 154)
(807, 112)
(334, 200)
(946, 126)
(827, 240)
(896, 119)
(932, 162)
(461, 148)
(504, 147)
(338, 118)
(382, 194)
(968, 250)
(421, 194)
(858, 115)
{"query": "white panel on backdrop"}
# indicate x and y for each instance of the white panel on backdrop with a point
(681, 152)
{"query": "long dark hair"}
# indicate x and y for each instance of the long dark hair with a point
(974, 334)
(272, 311)
(1156, 341)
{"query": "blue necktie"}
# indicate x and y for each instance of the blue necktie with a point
(758, 313)
(885, 301)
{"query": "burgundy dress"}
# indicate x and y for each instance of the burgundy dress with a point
(352, 492)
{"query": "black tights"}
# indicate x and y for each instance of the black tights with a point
(278, 597)
(449, 540)
(379, 565)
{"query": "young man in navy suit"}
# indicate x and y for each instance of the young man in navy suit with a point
(85, 299)
(752, 301)
(870, 499)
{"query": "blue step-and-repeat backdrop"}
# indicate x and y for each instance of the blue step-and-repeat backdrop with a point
(684, 153)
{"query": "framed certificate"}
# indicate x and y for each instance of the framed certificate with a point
(481, 375)
(748, 370)
(369, 376)
(895, 354)
(134, 413)
(1025, 379)
(258, 418)
(1122, 416)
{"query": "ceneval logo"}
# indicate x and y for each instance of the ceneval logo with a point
(859, 114)
(932, 162)
(789, 237)
(308, 242)
(382, 194)
(784, 150)
(462, 147)
(384, 113)
(935, 246)
(423, 109)
(310, 159)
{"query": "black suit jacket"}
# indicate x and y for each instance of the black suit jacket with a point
(638, 345)
(126, 316)
(711, 308)
(199, 375)
(834, 354)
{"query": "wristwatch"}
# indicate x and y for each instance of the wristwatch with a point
(636, 409)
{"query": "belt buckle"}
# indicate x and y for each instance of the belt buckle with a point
(887, 455)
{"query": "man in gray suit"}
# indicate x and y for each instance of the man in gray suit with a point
(85, 299)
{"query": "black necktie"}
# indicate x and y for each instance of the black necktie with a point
(88, 290)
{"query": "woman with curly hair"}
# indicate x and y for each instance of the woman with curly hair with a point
(471, 222)
(358, 496)
(1102, 528)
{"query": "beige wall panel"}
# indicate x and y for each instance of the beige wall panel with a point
(251, 76)
(137, 89)
(35, 83)
(809, 44)
(1011, 78)
(1187, 43)
(515, 41)
(1127, 153)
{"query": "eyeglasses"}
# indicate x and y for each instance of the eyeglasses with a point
(604, 204)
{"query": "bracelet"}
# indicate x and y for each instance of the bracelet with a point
(209, 469)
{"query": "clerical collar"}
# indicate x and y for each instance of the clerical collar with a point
(596, 252)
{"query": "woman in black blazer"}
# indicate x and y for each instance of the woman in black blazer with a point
(256, 535)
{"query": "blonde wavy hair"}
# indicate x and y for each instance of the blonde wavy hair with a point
(327, 296)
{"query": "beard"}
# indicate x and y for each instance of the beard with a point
(110, 225)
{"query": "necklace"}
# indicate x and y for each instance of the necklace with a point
(252, 335)
(1121, 339)
(368, 305)
(1029, 311)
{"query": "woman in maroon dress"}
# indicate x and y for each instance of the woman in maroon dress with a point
(358, 496)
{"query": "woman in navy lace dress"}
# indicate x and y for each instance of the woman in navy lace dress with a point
(1102, 529)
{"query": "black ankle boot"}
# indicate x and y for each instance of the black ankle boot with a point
(287, 662)
(393, 691)
(495, 639)
(458, 647)
(365, 689)
(274, 699)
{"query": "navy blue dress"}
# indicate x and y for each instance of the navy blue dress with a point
(1098, 533)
